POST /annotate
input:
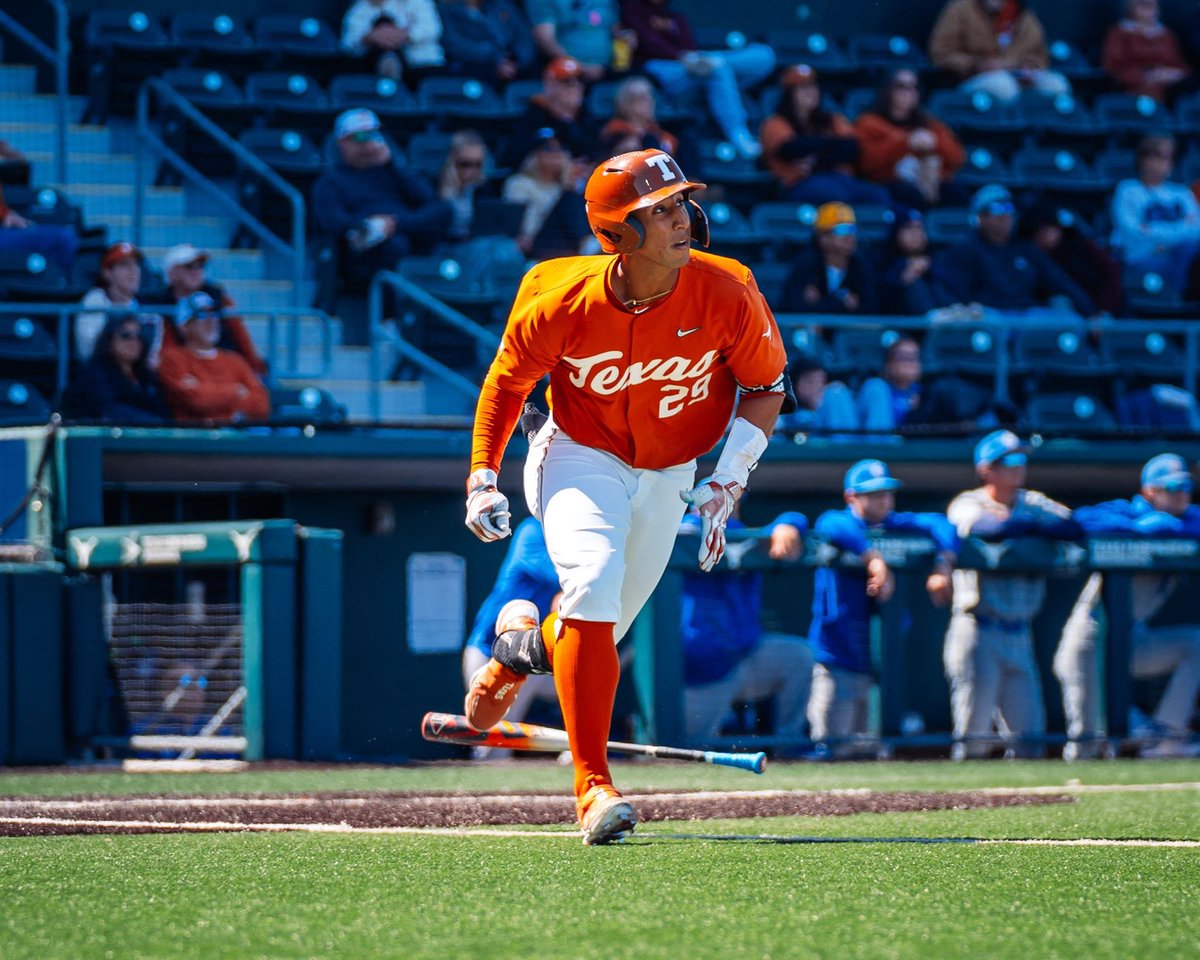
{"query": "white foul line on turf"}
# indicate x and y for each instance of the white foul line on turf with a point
(159, 826)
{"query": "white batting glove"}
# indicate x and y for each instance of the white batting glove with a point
(714, 502)
(488, 516)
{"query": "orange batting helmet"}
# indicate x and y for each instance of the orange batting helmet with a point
(630, 182)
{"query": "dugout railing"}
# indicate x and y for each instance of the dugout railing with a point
(658, 666)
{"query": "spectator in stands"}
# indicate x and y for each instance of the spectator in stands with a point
(560, 108)
(905, 147)
(667, 50)
(887, 401)
(118, 285)
(487, 39)
(396, 37)
(996, 46)
(18, 235)
(833, 277)
(383, 210)
(583, 32)
(14, 165)
(544, 177)
(1142, 55)
(118, 386)
(810, 151)
(1056, 233)
(474, 242)
(909, 280)
(727, 657)
(203, 383)
(185, 268)
(821, 407)
(634, 125)
(999, 271)
(844, 601)
(1163, 508)
(1156, 223)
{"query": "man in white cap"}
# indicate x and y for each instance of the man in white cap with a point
(1163, 508)
(989, 656)
(383, 209)
(184, 267)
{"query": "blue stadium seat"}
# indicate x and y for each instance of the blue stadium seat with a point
(22, 272)
(291, 154)
(427, 152)
(1131, 115)
(397, 109)
(874, 221)
(961, 348)
(1149, 354)
(977, 114)
(816, 49)
(1114, 165)
(771, 277)
(1058, 169)
(21, 404)
(784, 224)
(1047, 353)
(292, 101)
(459, 102)
(44, 205)
(216, 40)
(220, 99)
(718, 38)
(1064, 115)
(124, 46)
(721, 163)
(23, 340)
(1148, 296)
(859, 354)
(304, 44)
(305, 405)
(984, 166)
(732, 234)
(1069, 413)
(881, 51)
(518, 92)
(947, 226)
(858, 100)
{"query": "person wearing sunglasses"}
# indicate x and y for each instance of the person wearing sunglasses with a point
(117, 385)
(999, 271)
(832, 277)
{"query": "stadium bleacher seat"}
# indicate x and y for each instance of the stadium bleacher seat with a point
(22, 273)
(818, 50)
(978, 117)
(743, 179)
(1113, 165)
(21, 404)
(1151, 355)
(518, 92)
(771, 277)
(874, 221)
(292, 101)
(1069, 413)
(983, 166)
(123, 48)
(1044, 355)
(218, 40)
(24, 340)
(220, 99)
(1061, 119)
(305, 44)
(458, 103)
(1148, 295)
(292, 155)
(427, 151)
(1057, 168)
(305, 405)
(732, 233)
(947, 226)
(881, 51)
(1133, 116)
(784, 224)
(858, 354)
(857, 100)
(396, 107)
(961, 348)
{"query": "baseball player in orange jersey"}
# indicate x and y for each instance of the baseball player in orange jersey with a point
(647, 353)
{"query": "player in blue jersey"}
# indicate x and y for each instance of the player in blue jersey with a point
(843, 602)
(1163, 508)
(727, 658)
(525, 588)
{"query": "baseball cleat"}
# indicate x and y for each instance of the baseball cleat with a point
(605, 816)
(494, 687)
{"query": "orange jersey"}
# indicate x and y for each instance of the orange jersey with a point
(654, 388)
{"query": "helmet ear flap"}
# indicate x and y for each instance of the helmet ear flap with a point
(620, 237)
(700, 231)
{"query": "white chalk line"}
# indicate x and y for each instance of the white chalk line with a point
(159, 826)
(95, 803)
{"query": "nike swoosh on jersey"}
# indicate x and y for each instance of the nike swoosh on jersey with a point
(684, 333)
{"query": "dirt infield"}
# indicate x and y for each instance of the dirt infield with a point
(24, 816)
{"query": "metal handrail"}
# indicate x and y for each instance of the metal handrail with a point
(58, 58)
(63, 312)
(296, 250)
(381, 332)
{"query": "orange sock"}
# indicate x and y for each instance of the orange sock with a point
(586, 671)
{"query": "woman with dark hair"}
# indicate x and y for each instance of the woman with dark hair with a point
(117, 385)
(1054, 231)
(909, 281)
(811, 151)
(904, 146)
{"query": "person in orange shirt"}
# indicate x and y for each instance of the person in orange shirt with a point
(203, 383)
(649, 349)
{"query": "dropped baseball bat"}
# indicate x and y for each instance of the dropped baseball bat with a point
(453, 728)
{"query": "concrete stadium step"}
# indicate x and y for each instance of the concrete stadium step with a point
(99, 168)
(310, 338)
(102, 201)
(205, 232)
(255, 293)
(224, 266)
(397, 400)
(347, 363)
(43, 138)
(37, 107)
(18, 78)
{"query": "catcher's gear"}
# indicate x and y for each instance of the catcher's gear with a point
(714, 502)
(632, 181)
(488, 516)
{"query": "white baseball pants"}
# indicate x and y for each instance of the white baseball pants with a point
(610, 528)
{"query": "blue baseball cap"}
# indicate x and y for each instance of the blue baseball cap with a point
(870, 476)
(991, 199)
(1167, 471)
(1001, 446)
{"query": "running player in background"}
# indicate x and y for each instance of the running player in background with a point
(647, 350)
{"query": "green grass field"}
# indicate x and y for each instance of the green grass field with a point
(671, 892)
